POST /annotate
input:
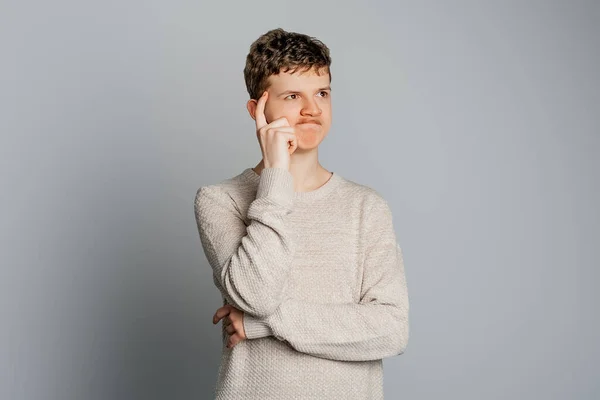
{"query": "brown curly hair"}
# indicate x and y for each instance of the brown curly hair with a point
(280, 51)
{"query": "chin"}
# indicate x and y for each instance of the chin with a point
(305, 147)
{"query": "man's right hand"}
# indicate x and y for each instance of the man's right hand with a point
(277, 139)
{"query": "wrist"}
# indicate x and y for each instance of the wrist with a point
(255, 328)
(277, 183)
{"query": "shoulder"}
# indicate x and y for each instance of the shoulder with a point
(363, 196)
(229, 192)
(370, 207)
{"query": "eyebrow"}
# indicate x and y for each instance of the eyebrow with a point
(296, 91)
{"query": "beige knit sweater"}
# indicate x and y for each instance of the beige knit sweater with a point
(320, 279)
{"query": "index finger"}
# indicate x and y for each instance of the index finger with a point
(261, 120)
(221, 312)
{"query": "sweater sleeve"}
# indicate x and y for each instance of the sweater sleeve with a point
(250, 263)
(374, 328)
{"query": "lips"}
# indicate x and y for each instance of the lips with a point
(309, 126)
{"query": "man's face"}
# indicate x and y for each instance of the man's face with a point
(304, 98)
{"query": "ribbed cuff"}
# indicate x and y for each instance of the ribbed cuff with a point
(255, 327)
(277, 183)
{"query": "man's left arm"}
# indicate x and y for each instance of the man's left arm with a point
(374, 328)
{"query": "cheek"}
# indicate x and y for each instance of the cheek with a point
(291, 112)
(270, 116)
(286, 111)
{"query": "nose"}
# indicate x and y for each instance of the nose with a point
(311, 108)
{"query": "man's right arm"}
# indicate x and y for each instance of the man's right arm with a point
(250, 263)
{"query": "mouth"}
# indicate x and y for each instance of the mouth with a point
(309, 123)
(309, 126)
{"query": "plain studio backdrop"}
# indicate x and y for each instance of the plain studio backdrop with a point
(477, 121)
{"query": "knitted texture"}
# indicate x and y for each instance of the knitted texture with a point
(320, 279)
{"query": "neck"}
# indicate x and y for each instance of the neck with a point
(308, 173)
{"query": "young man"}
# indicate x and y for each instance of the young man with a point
(307, 262)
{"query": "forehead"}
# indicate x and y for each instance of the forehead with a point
(301, 79)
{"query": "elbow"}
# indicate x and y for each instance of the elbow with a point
(401, 343)
(400, 335)
(397, 343)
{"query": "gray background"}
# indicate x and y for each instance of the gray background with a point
(477, 121)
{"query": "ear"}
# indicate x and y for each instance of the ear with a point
(251, 106)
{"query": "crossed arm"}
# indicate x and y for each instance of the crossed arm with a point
(251, 265)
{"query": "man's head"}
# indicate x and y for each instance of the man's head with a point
(295, 70)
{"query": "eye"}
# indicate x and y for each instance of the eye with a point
(325, 94)
(291, 95)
